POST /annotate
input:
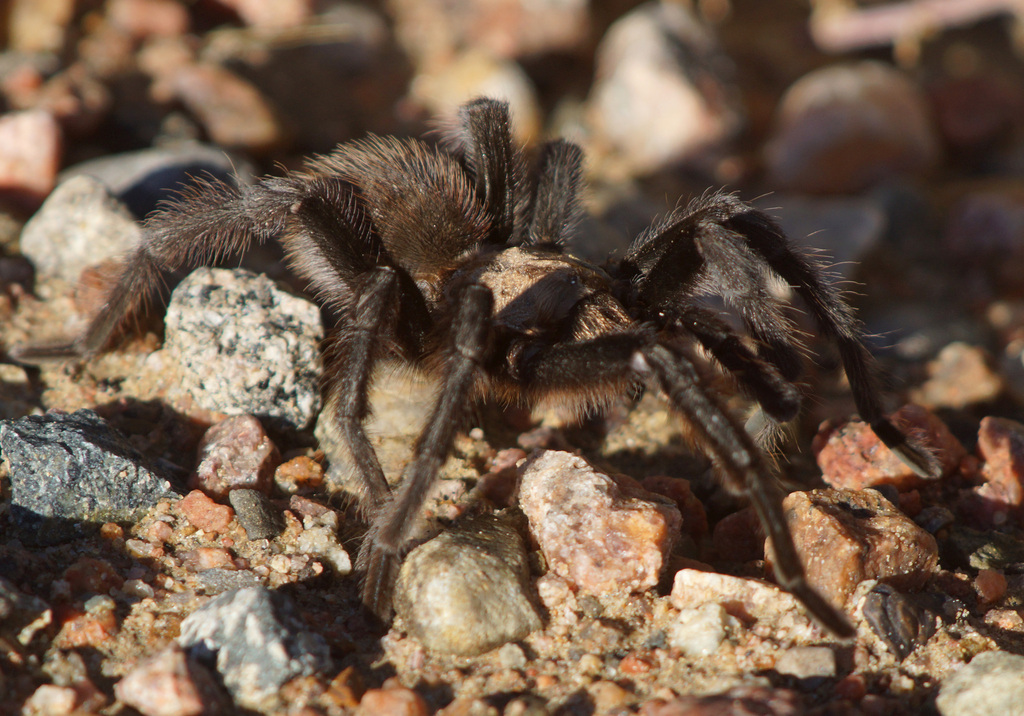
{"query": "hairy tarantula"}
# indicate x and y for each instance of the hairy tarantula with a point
(450, 260)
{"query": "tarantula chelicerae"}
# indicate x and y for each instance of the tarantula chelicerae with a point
(451, 261)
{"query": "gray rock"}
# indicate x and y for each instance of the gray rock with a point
(244, 346)
(465, 591)
(68, 471)
(807, 662)
(256, 642)
(80, 224)
(993, 683)
(259, 518)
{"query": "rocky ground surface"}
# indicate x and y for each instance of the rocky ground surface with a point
(171, 540)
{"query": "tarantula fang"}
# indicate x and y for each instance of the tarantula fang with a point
(450, 259)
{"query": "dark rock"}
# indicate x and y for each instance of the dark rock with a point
(70, 470)
(256, 642)
(259, 518)
(899, 622)
(466, 591)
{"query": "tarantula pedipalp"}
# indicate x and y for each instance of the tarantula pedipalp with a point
(450, 260)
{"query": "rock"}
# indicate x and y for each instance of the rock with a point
(601, 533)
(1001, 447)
(39, 26)
(739, 537)
(961, 375)
(747, 600)
(236, 453)
(807, 662)
(234, 112)
(659, 55)
(168, 684)
(243, 346)
(31, 146)
(80, 225)
(984, 234)
(466, 591)
(299, 476)
(844, 537)
(993, 683)
(737, 701)
(851, 456)
(393, 701)
(272, 14)
(69, 471)
(842, 128)
(259, 518)
(257, 641)
(432, 31)
(205, 514)
(984, 550)
(699, 632)
(148, 18)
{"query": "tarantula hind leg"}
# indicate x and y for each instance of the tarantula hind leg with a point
(396, 525)
(738, 461)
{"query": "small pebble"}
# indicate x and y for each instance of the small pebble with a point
(991, 585)
(259, 518)
(699, 632)
(394, 701)
(148, 18)
(465, 591)
(1001, 447)
(243, 346)
(236, 453)
(806, 662)
(737, 701)
(272, 14)
(961, 375)
(601, 533)
(846, 536)
(993, 683)
(205, 514)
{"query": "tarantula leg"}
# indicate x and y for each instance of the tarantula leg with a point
(349, 359)
(206, 221)
(492, 162)
(835, 319)
(691, 250)
(556, 203)
(739, 461)
(779, 398)
(396, 524)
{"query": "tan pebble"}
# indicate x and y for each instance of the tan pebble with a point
(395, 701)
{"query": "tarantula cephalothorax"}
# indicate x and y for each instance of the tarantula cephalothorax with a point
(450, 260)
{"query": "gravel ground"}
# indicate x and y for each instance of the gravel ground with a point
(173, 538)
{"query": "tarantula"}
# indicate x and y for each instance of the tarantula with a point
(449, 259)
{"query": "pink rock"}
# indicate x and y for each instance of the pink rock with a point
(394, 701)
(167, 684)
(236, 453)
(845, 536)
(30, 155)
(1001, 498)
(205, 514)
(272, 14)
(601, 533)
(851, 456)
(739, 537)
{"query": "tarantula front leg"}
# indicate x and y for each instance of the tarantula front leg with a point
(740, 463)
(396, 523)
(206, 221)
